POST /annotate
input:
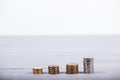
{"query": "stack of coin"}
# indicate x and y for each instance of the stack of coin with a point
(37, 70)
(72, 68)
(88, 64)
(53, 69)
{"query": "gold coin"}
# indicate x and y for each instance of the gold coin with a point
(37, 70)
(71, 68)
(53, 69)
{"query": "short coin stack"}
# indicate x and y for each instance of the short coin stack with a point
(72, 68)
(53, 69)
(37, 70)
(88, 65)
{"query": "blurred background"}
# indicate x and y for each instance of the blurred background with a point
(30, 51)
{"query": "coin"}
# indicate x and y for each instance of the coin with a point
(37, 70)
(88, 65)
(71, 68)
(53, 69)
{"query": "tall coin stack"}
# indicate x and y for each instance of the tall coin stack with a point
(88, 64)
(37, 70)
(72, 68)
(53, 69)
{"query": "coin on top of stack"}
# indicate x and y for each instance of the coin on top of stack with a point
(71, 68)
(37, 70)
(53, 69)
(88, 65)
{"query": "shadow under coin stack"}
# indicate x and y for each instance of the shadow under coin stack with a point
(72, 68)
(88, 64)
(37, 70)
(53, 69)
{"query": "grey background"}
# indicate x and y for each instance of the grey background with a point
(19, 54)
